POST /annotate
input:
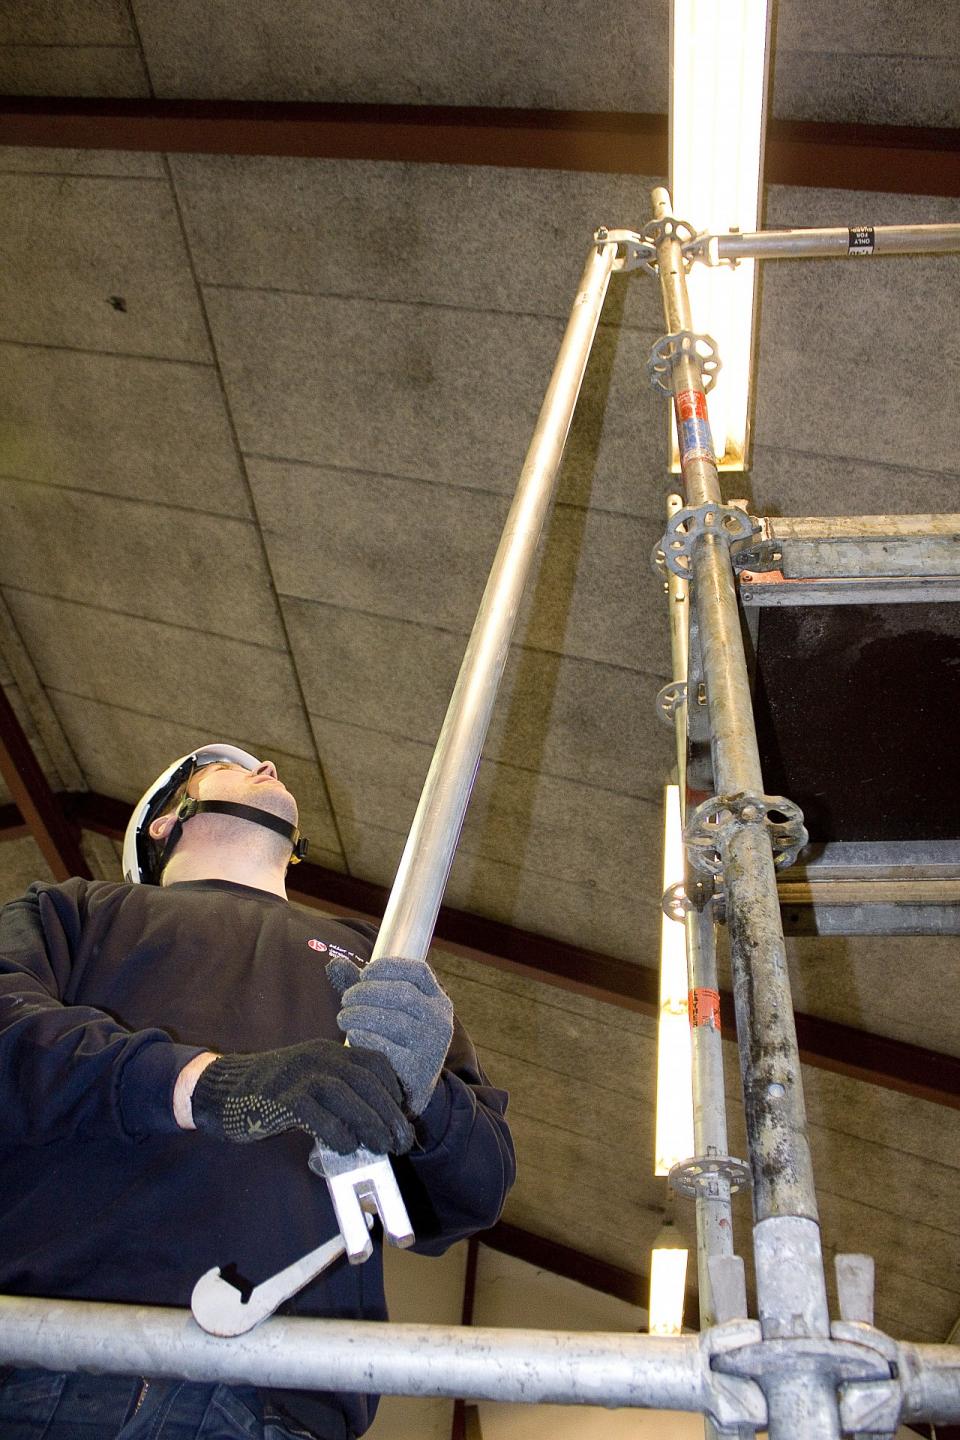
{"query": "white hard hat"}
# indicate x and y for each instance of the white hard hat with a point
(140, 853)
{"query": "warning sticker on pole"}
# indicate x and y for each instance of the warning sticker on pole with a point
(861, 240)
(690, 405)
(694, 440)
(704, 1007)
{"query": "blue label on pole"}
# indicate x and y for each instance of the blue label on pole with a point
(695, 441)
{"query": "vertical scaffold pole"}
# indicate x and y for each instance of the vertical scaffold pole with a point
(791, 1289)
(713, 1209)
(714, 1212)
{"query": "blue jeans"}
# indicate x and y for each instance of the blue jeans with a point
(42, 1405)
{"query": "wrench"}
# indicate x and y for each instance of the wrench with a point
(358, 1184)
(220, 1309)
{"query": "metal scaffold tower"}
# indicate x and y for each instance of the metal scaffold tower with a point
(791, 1370)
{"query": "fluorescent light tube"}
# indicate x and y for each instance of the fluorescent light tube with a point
(668, 1280)
(674, 1133)
(718, 61)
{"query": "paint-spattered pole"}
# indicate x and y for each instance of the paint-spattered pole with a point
(791, 1289)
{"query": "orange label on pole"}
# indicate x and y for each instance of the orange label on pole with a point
(704, 1007)
(690, 405)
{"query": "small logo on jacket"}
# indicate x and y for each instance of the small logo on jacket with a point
(336, 952)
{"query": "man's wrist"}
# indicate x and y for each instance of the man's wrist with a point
(184, 1087)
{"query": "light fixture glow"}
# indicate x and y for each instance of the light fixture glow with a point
(674, 1133)
(668, 1280)
(718, 54)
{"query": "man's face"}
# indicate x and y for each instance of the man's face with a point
(261, 788)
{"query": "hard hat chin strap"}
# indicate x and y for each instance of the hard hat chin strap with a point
(189, 807)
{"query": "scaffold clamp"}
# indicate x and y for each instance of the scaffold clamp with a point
(683, 344)
(711, 825)
(734, 1401)
(633, 251)
(685, 527)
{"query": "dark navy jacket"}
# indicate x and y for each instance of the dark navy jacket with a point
(106, 991)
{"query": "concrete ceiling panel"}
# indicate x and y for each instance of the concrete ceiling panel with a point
(868, 89)
(89, 71)
(541, 1046)
(468, 236)
(564, 1192)
(552, 826)
(566, 717)
(908, 1252)
(121, 751)
(865, 981)
(408, 549)
(141, 429)
(553, 54)
(878, 61)
(594, 595)
(626, 926)
(901, 1122)
(853, 359)
(20, 865)
(218, 685)
(66, 22)
(47, 160)
(879, 27)
(205, 572)
(802, 482)
(421, 392)
(97, 264)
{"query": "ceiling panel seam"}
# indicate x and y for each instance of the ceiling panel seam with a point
(468, 489)
(654, 800)
(159, 719)
(251, 500)
(461, 634)
(886, 465)
(65, 45)
(355, 298)
(148, 619)
(111, 354)
(87, 490)
(75, 175)
(139, 47)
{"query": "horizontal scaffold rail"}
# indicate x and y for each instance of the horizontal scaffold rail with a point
(839, 242)
(478, 1363)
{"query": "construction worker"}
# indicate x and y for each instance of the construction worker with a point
(170, 1050)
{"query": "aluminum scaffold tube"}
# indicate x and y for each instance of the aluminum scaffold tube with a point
(292, 1352)
(837, 242)
(713, 1210)
(411, 913)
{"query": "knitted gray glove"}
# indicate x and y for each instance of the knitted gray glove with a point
(396, 1006)
(347, 1098)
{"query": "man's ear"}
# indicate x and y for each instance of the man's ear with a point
(160, 828)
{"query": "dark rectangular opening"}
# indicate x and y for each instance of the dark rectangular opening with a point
(858, 717)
